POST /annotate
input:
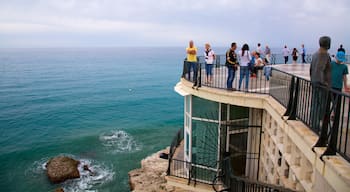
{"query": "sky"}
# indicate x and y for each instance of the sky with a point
(115, 23)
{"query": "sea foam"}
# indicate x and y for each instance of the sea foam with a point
(88, 181)
(118, 141)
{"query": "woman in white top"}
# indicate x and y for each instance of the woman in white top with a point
(245, 58)
(209, 60)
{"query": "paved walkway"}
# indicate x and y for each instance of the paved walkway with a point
(300, 70)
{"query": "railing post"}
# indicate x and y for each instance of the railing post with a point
(199, 71)
(169, 164)
(291, 97)
(189, 173)
(185, 69)
(332, 146)
(293, 113)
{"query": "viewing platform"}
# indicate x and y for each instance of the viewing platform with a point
(292, 139)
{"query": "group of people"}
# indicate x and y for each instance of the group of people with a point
(249, 63)
(295, 54)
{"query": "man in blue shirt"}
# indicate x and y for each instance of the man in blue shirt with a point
(303, 53)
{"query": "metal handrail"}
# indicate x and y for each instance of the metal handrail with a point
(225, 180)
(174, 144)
(233, 183)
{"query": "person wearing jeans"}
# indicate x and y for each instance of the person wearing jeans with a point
(231, 63)
(209, 60)
(192, 62)
(245, 58)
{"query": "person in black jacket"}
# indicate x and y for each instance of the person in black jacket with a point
(341, 48)
(232, 64)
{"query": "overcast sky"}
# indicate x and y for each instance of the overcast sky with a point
(90, 23)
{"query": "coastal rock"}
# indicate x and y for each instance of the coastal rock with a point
(62, 168)
(151, 176)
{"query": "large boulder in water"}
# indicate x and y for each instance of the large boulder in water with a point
(62, 168)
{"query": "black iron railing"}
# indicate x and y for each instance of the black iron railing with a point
(196, 73)
(174, 145)
(226, 181)
(193, 172)
(222, 180)
(325, 111)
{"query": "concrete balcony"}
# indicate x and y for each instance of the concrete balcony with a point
(287, 156)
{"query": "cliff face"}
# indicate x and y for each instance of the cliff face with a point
(151, 176)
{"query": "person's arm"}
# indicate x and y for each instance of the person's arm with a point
(192, 51)
(346, 88)
(228, 58)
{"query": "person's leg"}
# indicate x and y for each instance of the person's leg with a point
(210, 73)
(241, 76)
(206, 73)
(246, 74)
(285, 59)
(195, 73)
(189, 67)
(233, 77)
(254, 71)
(229, 77)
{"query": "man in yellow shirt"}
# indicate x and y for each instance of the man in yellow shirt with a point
(192, 63)
(191, 51)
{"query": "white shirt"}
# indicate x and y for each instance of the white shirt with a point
(244, 60)
(258, 49)
(209, 59)
(258, 62)
(285, 51)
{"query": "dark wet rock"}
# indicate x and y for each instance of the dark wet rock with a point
(62, 168)
(86, 168)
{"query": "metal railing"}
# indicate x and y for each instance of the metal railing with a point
(191, 171)
(279, 58)
(227, 181)
(174, 145)
(223, 180)
(195, 73)
(324, 111)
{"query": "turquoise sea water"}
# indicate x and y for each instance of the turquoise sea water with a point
(107, 107)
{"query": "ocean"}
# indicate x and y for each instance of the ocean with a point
(107, 107)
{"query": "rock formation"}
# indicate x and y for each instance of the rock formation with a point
(62, 168)
(151, 176)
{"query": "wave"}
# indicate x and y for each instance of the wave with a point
(88, 181)
(118, 141)
(99, 175)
